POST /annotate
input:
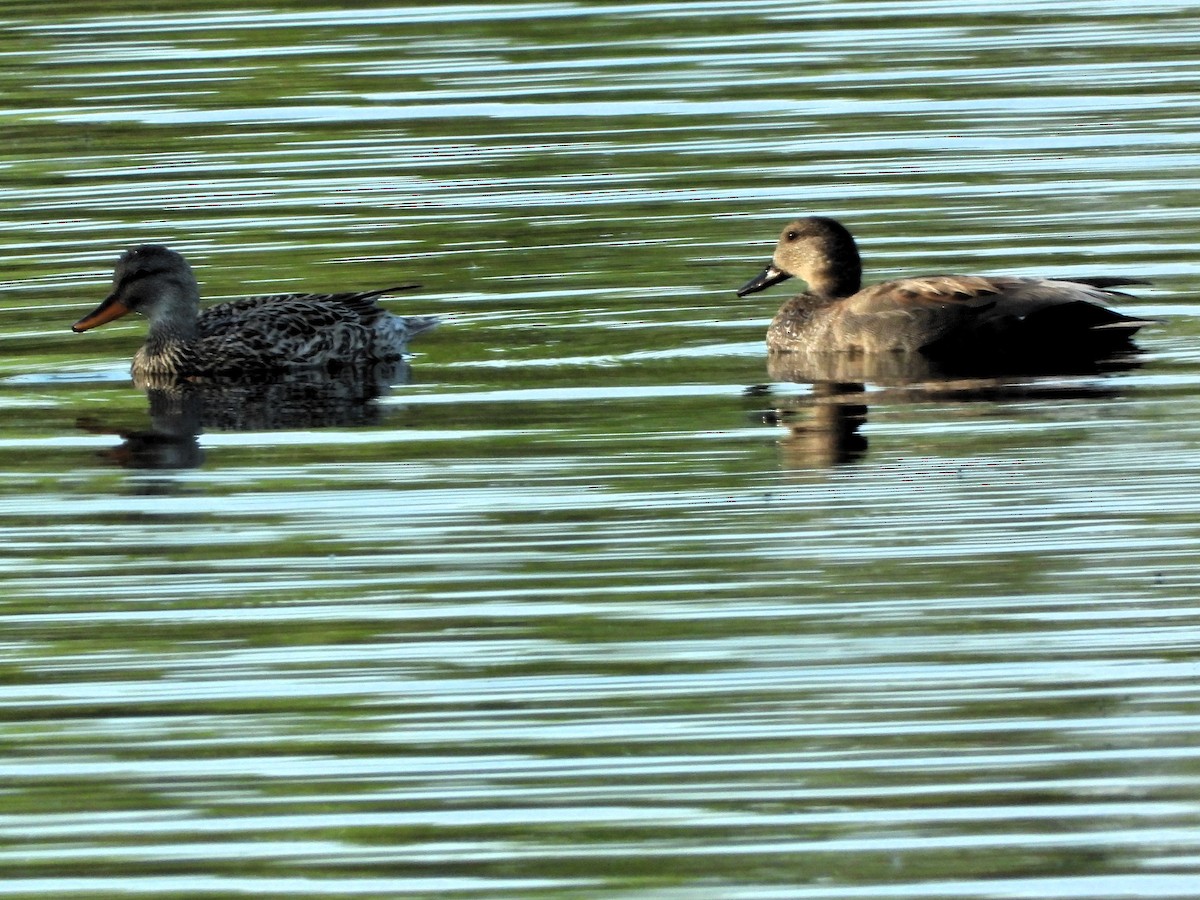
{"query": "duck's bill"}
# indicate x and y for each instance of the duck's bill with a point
(764, 279)
(110, 309)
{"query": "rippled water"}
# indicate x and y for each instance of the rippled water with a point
(591, 602)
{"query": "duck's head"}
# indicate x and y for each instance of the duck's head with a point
(817, 250)
(151, 280)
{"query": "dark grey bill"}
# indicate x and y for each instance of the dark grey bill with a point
(764, 279)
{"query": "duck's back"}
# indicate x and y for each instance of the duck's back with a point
(958, 315)
(290, 331)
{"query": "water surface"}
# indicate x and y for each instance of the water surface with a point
(591, 602)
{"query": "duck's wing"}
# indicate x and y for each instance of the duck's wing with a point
(280, 331)
(1104, 281)
(1017, 294)
(927, 291)
(362, 303)
(908, 313)
(1068, 304)
(937, 310)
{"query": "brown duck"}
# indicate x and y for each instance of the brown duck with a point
(968, 317)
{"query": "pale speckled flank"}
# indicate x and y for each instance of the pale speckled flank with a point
(269, 333)
(940, 315)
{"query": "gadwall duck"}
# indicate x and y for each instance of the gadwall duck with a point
(967, 317)
(273, 333)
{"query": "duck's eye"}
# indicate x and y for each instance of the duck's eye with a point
(792, 235)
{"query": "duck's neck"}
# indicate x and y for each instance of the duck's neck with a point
(836, 281)
(164, 354)
(168, 344)
(174, 330)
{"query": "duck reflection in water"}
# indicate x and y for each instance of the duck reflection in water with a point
(171, 441)
(949, 336)
(823, 428)
(180, 410)
(824, 425)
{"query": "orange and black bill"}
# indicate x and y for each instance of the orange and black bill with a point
(110, 309)
(764, 279)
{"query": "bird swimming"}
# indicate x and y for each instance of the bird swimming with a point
(967, 317)
(271, 333)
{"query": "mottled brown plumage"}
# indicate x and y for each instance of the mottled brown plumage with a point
(972, 317)
(269, 333)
